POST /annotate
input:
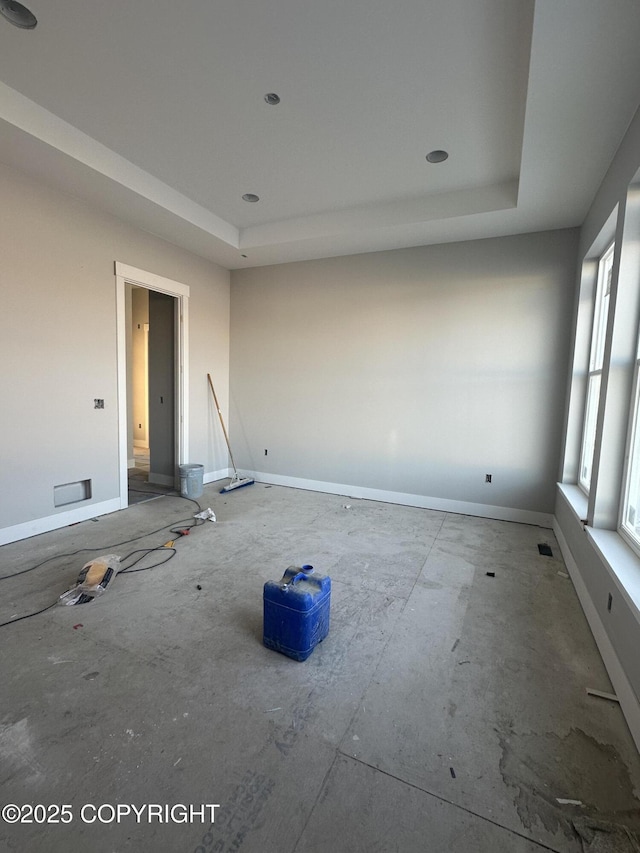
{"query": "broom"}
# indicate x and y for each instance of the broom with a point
(237, 482)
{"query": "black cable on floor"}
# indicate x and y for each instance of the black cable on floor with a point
(130, 570)
(179, 532)
(28, 615)
(114, 545)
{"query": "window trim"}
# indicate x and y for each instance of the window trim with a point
(632, 430)
(595, 364)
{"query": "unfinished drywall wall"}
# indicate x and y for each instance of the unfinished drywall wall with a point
(412, 372)
(58, 347)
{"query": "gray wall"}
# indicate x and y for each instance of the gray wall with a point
(58, 344)
(413, 371)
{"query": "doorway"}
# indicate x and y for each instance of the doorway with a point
(152, 325)
(151, 374)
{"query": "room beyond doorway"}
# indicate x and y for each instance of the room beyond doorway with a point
(151, 371)
(139, 487)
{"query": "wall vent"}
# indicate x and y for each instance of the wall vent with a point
(71, 493)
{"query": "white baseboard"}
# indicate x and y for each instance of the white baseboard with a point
(625, 693)
(501, 513)
(62, 519)
(212, 476)
(54, 522)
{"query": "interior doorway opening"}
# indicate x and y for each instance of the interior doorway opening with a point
(152, 381)
(152, 318)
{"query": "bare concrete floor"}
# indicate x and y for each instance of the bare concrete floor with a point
(445, 711)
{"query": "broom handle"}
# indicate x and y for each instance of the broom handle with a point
(224, 429)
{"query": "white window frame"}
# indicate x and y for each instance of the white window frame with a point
(630, 530)
(596, 360)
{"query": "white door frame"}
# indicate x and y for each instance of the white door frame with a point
(126, 274)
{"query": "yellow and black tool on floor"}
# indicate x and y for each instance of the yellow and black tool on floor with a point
(237, 482)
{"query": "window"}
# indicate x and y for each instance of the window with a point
(596, 358)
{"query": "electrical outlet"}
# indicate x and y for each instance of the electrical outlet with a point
(97, 403)
(266, 452)
(487, 478)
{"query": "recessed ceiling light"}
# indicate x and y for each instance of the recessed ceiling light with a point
(18, 15)
(272, 99)
(250, 197)
(437, 156)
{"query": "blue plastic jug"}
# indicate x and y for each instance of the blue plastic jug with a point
(296, 612)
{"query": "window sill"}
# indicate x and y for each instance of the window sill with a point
(619, 558)
(576, 499)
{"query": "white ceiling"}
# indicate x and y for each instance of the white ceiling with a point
(155, 111)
